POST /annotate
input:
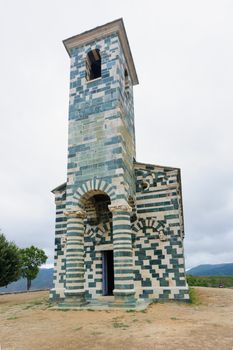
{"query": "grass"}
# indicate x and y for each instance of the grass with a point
(96, 333)
(12, 318)
(194, 298)
(27, 307)
(120, 325)
(38, 302)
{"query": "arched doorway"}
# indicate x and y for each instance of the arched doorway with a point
(95, 204)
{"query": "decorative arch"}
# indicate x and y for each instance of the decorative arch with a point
(151, 223)
(159, 226)
(97, 232)
(91, 188)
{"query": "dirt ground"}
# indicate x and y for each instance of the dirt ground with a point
(28, 322)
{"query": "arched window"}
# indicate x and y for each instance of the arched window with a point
(93, 65)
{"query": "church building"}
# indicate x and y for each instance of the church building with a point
(119, 223)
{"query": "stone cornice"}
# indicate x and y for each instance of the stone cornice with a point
(79, 213)
(116, 26)
(114, 208)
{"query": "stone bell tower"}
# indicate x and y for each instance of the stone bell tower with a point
(101, 117)
(101, 152)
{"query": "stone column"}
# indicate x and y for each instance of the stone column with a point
(74, 292)
(124, 292)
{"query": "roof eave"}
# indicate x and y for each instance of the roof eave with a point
(59, 188)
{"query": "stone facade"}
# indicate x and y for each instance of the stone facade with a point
(119, 223)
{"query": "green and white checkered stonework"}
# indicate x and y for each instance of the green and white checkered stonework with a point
(110, 202)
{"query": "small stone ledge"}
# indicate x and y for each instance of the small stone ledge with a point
(102, 305)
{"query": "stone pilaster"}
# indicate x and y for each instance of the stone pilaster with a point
(74, 292)
(124, 292)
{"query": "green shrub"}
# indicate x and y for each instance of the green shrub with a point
(193, 296)
(210, 281)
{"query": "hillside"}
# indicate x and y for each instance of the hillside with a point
(212, 270)
(42, 281)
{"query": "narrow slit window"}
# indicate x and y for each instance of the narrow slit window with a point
(93, 65)
(126, 82)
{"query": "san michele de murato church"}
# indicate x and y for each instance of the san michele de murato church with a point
(119, 223)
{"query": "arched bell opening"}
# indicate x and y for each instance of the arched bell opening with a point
(93, 65)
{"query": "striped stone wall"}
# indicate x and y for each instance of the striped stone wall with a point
(59, 274)
(101, 140)
(157, 238)
(144, 226)
(158, 234)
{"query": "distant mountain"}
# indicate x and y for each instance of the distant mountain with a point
(43, 280)
(212, 270)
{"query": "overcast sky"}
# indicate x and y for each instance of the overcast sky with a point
(183, 52)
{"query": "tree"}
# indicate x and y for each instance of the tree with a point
(32, 258)
(10, 261)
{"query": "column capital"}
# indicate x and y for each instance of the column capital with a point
(78, 213)
(118, 207)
